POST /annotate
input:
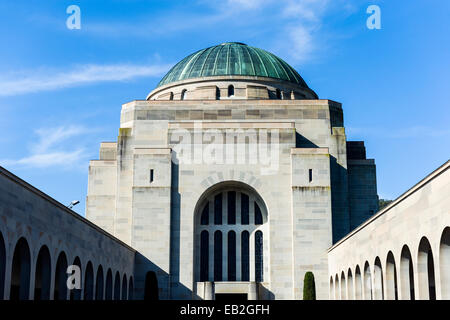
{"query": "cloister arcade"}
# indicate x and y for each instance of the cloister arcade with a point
(399, 275)
(35, 276)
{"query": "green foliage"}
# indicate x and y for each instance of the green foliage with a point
(383, 203)
(309, 287)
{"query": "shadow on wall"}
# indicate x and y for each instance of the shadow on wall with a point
(339, 191)
(151, 282)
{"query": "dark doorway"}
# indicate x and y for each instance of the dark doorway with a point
(151, 286)
(231, 297)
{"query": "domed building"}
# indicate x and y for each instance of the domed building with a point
(232, 179)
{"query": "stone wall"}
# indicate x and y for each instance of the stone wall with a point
(38, 221)
(402, 252)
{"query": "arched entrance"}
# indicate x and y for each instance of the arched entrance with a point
(75, 294)
(231, 235)
(367, 282)
(391, 278)
(358, 284)
(99, 284)
(425, 268)
(151, 286)
(230, 223)
(109, 285)
(378, 289)
(350, 291)
(444, 263)
(89, 282)
(406, 274)
(43, 275)
(20, 273)
(60, 292)
(117, 286)
(2, 266)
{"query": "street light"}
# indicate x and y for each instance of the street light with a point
(73, 203)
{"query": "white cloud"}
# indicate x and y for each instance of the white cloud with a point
(53, 149)
(44, 80)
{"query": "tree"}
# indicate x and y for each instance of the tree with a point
(309, 287)
(383, 203)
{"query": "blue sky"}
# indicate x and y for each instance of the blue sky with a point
(61, 90)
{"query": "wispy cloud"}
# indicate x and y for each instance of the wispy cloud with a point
(52, 149)
(48, 79)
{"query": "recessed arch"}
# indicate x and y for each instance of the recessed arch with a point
(332, 297)
(60, 292)
(336, 288)
(117, 286)
(230, 90)
(130, 289)
(109, 285)
(444, 263)
(171, 96)
(222, 255)
(406, 274)
(2, 266)
(75, 294)
(350, 290)
(367, 282)
(43, 275)
(99, 284)
(278, 94)
(391, 278)
(89, 282)
(425, 270)
(151, 286)
(183, 94)
(124, 287)
(358, 283)
(343, 286)
(378, 280)
(20, 271)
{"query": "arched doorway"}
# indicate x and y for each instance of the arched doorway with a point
(332, 297)
(336, 288)
(343, 286)
(109, 285)
(130, 289)
(358, 283)
(151, 286)
(391, 278)
(60, 292)
(75, 294)
(406, 274)
(350, 291)
(444, 263)
(117, 286)
(89, 282)
(230, 227)
(378, 280)
(425, 269)
(2, 266)
(43, 275)
(124, 287)
(367, 282)
(20, 273)
(99, 284)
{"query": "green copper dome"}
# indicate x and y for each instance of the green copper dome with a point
(232, 58)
